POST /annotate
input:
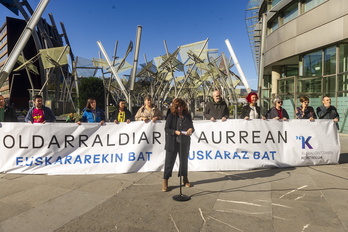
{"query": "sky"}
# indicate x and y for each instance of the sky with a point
(177, 22)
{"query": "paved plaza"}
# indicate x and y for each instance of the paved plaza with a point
(299, 199)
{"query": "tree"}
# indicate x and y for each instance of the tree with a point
(91, 87)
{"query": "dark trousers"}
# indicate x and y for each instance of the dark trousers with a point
(171, 157)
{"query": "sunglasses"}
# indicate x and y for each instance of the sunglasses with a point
(280, 102)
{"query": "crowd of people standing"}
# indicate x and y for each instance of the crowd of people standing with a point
(179, 124)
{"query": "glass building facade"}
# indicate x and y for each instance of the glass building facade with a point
(303, 52)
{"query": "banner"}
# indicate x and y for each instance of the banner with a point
(236, 144)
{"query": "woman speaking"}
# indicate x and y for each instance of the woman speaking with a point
(178, 129)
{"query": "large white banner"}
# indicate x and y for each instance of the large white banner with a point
(63, 148)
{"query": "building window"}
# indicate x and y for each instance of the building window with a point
(343, 83)
(343, 58)
(286, 86)
(310, 4)
(312, 64)
(330, 60)
(275, 2)
(290, 70)
(273, 25)
(307, 86)
(330, 86)
(290, 13)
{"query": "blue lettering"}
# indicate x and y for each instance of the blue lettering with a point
(207, 154)
(245, 156)
(19, 160)
(87, 159)
(272, 153)
(227, 155)
(78, 159)
(31, 163)
(236, 155)
(48, 160)
(265, 156)
(67, 159)
(38, 161)
(141, 157)
(256, 155)
(131, 156)
(148, 153)
(218, 154)
(59, 160)
(96, 159)
(119, 157)
(104, 158)
(200, 155)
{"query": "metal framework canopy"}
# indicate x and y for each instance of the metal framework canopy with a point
(253, 28)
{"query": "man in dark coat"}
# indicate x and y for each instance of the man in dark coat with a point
(217, 109)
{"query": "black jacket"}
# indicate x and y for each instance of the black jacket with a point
(171, 127)
(216, 110)
(10, 114)
(127, 112)
(246, 111)
(272, 113)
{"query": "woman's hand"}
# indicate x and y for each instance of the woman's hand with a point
(177, 132)
(189, 132)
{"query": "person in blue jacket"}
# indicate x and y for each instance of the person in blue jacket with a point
(92, 113)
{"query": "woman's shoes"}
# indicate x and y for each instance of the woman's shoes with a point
(165, 185)
(186, 182)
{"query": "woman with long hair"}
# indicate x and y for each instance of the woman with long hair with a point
(178, 129)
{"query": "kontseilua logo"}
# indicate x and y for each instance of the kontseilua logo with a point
(305, 141)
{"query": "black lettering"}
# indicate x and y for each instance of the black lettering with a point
(34, 141)
(54, 141)
(213, 137)
(13, 141)
(68, 139)
(120, 139)
(242, 135)
(202, 137)
(156, 137)
(97, 140)
(256, 137)
(82, 139)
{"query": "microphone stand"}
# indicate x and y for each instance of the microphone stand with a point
(181, 197)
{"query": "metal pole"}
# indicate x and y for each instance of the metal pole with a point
(123, 89)
(22, 41)
(235, 60)
(171, 67)
(262, 50)
(134, 70)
